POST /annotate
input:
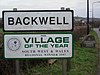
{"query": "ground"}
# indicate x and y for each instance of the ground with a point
(98, 32)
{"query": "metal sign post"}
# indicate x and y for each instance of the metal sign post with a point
(64, 67)
(64, 61)
(17, 68)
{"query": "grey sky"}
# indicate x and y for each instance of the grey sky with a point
(79, 6)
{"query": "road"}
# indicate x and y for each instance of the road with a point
(98, 32)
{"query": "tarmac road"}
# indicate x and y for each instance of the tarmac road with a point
(98, 32)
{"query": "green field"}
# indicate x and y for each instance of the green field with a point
(85, 59)
(84, 62)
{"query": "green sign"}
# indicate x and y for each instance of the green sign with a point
(42, 45)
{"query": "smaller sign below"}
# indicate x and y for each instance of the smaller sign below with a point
(89, 41)
(38, 45)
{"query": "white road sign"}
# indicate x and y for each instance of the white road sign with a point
(54, 45)
(38, 20)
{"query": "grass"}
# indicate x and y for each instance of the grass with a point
(50, 70)
(85, 59)
(95, 35)
(84, 62)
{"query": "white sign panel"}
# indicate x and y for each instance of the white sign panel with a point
(38, 20)
(38, 45)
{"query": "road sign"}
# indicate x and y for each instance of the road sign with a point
(42, 45)
(38, 20)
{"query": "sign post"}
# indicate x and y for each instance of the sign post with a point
(38, 45)
(17, 61)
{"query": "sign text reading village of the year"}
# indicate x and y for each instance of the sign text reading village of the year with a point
(38, 45)
(37, 20)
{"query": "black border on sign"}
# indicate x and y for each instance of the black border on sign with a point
(38, 11)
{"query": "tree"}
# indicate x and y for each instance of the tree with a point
(1, 23)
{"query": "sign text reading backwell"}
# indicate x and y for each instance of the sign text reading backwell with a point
(38, 20)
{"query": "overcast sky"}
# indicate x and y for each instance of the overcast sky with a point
(79, 6)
